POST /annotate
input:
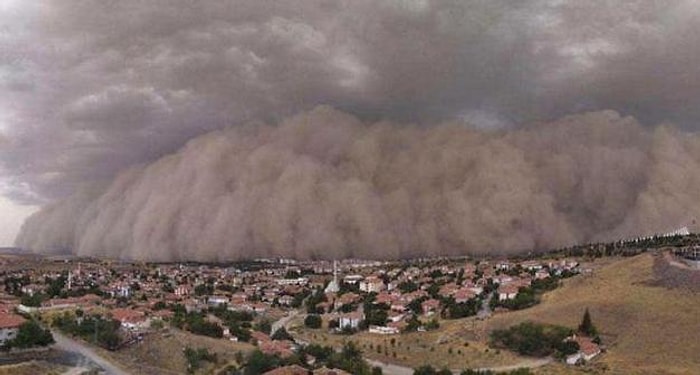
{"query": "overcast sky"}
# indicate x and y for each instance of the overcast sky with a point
(88, 88)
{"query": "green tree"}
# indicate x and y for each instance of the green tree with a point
(33, 300)
(313, 321)
(259, 362)
(263, 326)
(424, 370)
(282, 334)
(586, 327)
(30, 334)
(196, 356)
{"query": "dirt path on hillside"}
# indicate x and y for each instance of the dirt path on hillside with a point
(392, 369)
(70, 345)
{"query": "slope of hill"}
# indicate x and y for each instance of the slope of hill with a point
(649, 329)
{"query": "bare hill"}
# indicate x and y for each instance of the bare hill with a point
(649, 328)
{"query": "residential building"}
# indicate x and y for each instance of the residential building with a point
(9, 326)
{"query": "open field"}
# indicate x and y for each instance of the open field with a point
(456, 345)
(162, 353)
(648, 329)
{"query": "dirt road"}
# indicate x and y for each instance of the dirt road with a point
(392, 369)
(70, 345)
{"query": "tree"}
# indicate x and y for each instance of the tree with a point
(313, 321)
(528, 338)
(264, 326)
(195, 356)
(424, 370)
(259, 362)
(31, 334)
(282, 334)
(33, 300)
(586, 327)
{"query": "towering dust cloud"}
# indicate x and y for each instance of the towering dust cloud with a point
(323, 184)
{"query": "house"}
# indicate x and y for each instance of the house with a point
(541, 274)
(463, 295)
(217, 300)
(385, 298)
(131, 319)
(430, 306)
(351, 320)
(372, 284)
(284, 348)
(182, 290)
(383, 330)
(285, 300)
(119, 290)
(506, 292)
(9, 326)
(504, 265)
(352, 279)
(532, 265)
(587, 350)
(395, 316)
(296, 281)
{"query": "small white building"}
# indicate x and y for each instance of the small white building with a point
(506, 292)
(353, 279)
(217, 300)
(351, 320)
(587, 350)
(372, 284)
(383, 330)
(296, 281)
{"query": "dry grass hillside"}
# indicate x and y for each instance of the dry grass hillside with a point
(33, 368)
(649, 329)
(162, 354)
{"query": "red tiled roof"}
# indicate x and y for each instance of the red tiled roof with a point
(260, 336)
(586, 345)
(281, 348)
(127, 315)
(9, 320)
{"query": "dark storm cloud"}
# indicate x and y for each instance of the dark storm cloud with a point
(88, 88)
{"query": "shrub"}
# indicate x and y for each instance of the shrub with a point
(30, 334)
(194, 358)
(313, 321)
(531, 339)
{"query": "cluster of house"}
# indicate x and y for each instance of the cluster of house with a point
(198, 287)
(471, 283)
(135, 294)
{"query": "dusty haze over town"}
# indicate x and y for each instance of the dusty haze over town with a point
(219, 130)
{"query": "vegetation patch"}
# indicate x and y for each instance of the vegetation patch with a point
(534, 339)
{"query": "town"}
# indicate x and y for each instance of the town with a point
(282, 316)
(115, 305)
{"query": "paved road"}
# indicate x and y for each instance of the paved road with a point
(68, 344)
